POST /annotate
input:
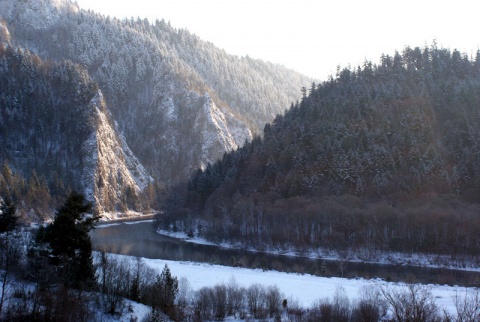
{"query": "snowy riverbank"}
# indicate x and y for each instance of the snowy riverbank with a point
(371, 257)
(304, 289)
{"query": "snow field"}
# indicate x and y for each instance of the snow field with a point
(304, 289)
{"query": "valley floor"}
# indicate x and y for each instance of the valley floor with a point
(303, 289)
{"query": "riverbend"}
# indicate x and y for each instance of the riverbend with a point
(141, 240)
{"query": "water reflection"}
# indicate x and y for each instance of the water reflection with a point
(141, 240)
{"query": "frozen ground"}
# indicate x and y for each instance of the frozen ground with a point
(305, 289)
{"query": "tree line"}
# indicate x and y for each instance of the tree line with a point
(51, 274)
(154, 78)
(56, 277)
(378, 158)
(51, 139)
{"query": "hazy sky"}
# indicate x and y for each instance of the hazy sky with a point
(313, 36)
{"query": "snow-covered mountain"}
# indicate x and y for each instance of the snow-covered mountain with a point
(55, 123)
(176, 101)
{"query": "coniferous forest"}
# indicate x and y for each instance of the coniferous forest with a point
(141, 118)
(38, 131)
(379, 158)
(168, 102)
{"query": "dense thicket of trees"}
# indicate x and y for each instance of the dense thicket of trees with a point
(8, 217)
(154, 78)
(44, 120)
(163, 94)
(8, 259)
(45, 114)
(56, 279)
(57, 135)
(382, 157)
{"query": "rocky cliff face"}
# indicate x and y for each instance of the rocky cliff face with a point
(55, 125)
(168, 102)
(154, 78)
(218, 127)
(110, 168)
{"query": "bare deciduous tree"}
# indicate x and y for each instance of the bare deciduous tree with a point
(467, 305)
(414, 303)
(273, 299)
(236, 298)
(256, 300)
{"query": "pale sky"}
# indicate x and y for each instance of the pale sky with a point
(313, 36)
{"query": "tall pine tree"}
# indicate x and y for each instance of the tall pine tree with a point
(8, 220)
(69, 241)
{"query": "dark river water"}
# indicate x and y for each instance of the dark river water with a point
(140, 239)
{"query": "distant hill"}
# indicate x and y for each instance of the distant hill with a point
(381, 157)
(176, 101)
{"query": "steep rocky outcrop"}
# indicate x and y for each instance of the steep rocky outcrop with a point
(154, 79)
(110, 168)
(55, 125)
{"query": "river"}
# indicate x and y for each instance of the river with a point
(140, 239)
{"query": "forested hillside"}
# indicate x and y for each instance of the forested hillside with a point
(57, 135)
(383, 157)
(179, 101)
(39, 129)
